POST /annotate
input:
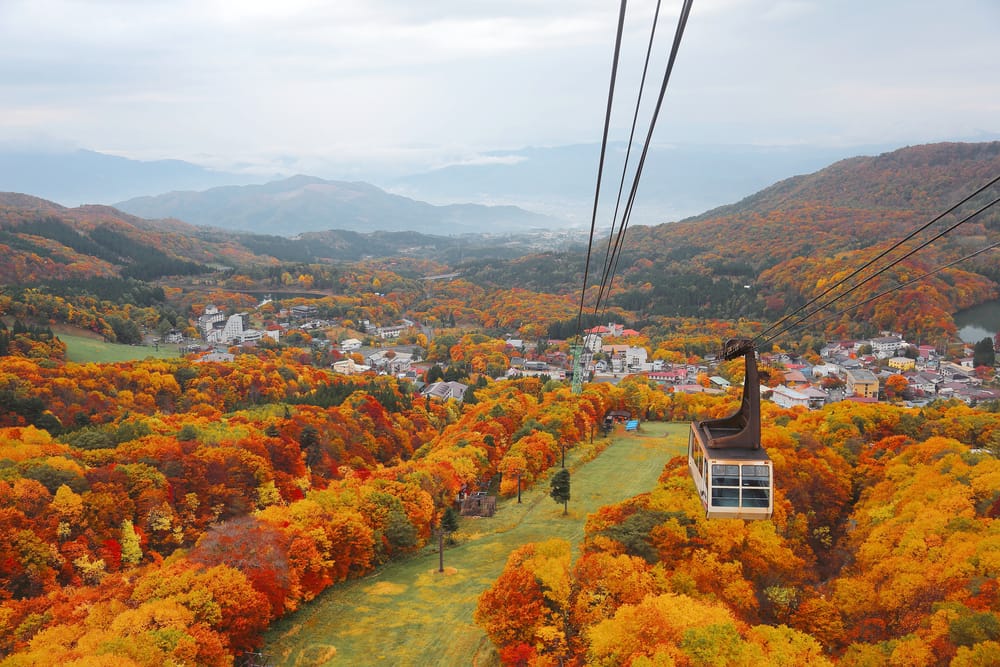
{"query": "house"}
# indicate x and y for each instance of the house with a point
(215, 356)
(479, 504)
(445, 390)
(795, 378)
(390, 361)
(787, 397)
(348, 367)
(251, 336)
(901, 363)
(825, 370)
(675, 376)
(720, 382)
(390, 332)
(923, 382)
(886, 346)
(303, 312)
(862, 383)
(817, 397)
(350, 345)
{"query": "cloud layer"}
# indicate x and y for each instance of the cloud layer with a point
(392, 81)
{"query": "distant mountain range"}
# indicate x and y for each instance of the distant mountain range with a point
(308, 204)
(89, 177)
(41, 242)
(756, 258)
(678, 181)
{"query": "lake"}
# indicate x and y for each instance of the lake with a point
(978, 322)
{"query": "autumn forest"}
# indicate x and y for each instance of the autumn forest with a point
(167, 510)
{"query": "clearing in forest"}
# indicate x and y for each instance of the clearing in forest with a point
(84, 349)
(406, 613)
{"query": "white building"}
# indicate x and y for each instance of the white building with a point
(348, 367)
(593, 342)
(233, 331)
(350, 345)
(390, 332)
(635, 357)
(824, 370)
(886, 346)
(787, 397)
(251, 336)
(206, 323)
(222, 357)
(445, 390)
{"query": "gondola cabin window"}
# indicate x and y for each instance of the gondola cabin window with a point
(725, 485)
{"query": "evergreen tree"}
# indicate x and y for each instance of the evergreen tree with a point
(560, 488)
(984, 354)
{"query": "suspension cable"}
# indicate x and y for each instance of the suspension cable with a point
(631, 138)
(866, 265)
(879, 272)
(881, 294)
(678, 34)
(600, 167)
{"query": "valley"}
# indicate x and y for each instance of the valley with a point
(269, 481)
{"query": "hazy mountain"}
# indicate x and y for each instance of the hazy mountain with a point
(82, 176)
(677, 180)
(41, 241)
(303, 203)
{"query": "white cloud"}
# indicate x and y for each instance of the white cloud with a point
(350, 83)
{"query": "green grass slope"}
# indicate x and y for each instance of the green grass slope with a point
(408, 614)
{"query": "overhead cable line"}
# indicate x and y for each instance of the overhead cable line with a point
(902, 285)
(880, 271)
(678, 34)
(869, 263)
(631, 138)
(600, 166)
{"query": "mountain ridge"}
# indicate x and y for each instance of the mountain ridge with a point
(308, 204)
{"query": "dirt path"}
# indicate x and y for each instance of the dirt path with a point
(408, 614)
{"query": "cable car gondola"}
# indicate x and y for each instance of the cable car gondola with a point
(732, 472)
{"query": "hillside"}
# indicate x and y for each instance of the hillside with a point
(756, 259)
(306, 204)
(924, 179)
(752, 259)
(44, 241)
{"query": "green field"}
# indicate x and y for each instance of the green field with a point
(83, 350)
(408, 614)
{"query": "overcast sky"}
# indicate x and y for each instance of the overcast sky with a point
(426, 82)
